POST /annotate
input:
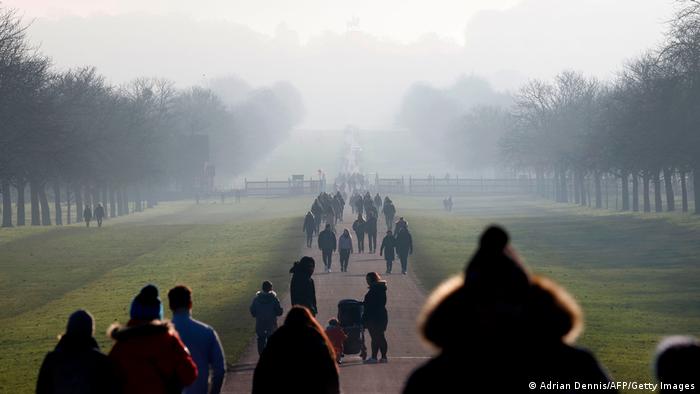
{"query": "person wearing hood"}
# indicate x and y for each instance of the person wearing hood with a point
(302, 289)
(265, 308)
(345, 250)
(375, 317)
(327, 243)
(358, 226)
(76, 365)
(498, 324)
(309, 228)
(388, 250)
(149, 356)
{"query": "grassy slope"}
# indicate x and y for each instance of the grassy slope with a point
(635, 277)
(222, 251)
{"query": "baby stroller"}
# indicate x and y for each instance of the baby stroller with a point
(350, 318)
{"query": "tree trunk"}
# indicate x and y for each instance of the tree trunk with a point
(684, 191)
(625, 192)
(635, 192)
(21, 186)
(539, 180)
(582, 188)
(658, 206)
(57, 203)
(670, 197)
(696, 189)
(6, 203)
(137, 199)
(645, 191)
(598, 191)
(68, 204)
(78, 204)
(577, 187)
(120, 203)
(112, 207)
(34, 199)
(44, 202)
(563, 187)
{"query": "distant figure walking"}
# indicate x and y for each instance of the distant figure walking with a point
(99, 214)
(76, 365)
(388, 249)
(148, 353)
(375, 317)
(377, 201)
(327, 243)
(298, 358)
(371, 230)
(404, 247)
(302, 288)
(389, 211)
(202, 342)
(345, 249)
(358, 226)
(265, 308)
(337, 337)
(87, 215)
(309, 228)
(676, 364)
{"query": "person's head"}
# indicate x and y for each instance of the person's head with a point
(180, 298)
(308, 264)
(372, 278)
(677, 359)
(388, 232)
(346, 232)
(328, 226)
(146, 305)
(333, 322)
(266, 286)
(80, 324)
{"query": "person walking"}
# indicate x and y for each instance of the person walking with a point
(389, 211)
(149, 356)
(99, 214)
(265, 308)
(358, 226)
(345, 249)
(302, 288)
(327, 243)
(87, 215)
(404, 247)
(388, 249)
(375, 317)
(201, 340)
(76, 365)
(371, 230)
(309, 228)
(298, 358)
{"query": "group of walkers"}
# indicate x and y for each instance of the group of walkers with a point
(98, 214)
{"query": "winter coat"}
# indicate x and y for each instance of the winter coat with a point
(302, 289)
(151, 359)
(309, 224)
(265, 308)
(296, 360)
(404, 241)
(326, 240)
(377, 201)
(99, 212)
(375, 313)
(389, 209)
(345, 242)
(371, 225)
(77, 366)
(87, 213)
(337, 337)
(204, 346)
(358, 226)
(388, 248)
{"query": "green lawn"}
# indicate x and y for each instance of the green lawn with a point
(223, 251)
(636, 276)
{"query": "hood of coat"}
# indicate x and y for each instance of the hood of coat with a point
(76, 343)
(379, 286)
(135, 329)
(266, 298)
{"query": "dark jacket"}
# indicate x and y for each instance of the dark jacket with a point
(151, 359)
(77, 366)
(327, 240)
(265, 308)
(87, 213)
(296, 360)
(404, 241)
(302, 289)
(389, 209)
(371, 225)
(99, 212)
(359, 226)
(309, 224)
(375, 306)
(388, 248)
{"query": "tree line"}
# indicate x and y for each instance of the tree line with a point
(576, 133)
(72, 138)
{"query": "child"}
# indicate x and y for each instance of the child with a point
(337, 337)
(265, 309)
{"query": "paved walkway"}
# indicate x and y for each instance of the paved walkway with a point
(404, 301)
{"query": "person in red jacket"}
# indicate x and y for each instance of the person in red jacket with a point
(337, 337)
(149, 356)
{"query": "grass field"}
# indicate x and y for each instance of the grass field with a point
(637, 277)
(222, 251)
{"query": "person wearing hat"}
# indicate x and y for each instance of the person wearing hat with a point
(148, 353)
(76, 365)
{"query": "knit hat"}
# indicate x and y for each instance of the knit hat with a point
(80, 324)
(146, 305)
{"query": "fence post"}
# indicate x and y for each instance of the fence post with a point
(267, 187)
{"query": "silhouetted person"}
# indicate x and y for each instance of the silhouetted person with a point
(359, 205)
(404, 247)
(327, 243)
(309, 228)
(99, 214)
(375, 317)
(345, 249)
(76, 365)
(302, 289)
(265, 308)
(401, 223)
(677, 364)
(371, 230)
(377, 201)
(388, 249)
(498, 325)
(358, 226)
(202, 342)
(389, 211)
(87, 215)
(148, 353)
(298, 359)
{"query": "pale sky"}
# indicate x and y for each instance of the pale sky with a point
(351, 60)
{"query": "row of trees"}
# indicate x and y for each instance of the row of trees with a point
(72, 138)
(574, 132)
